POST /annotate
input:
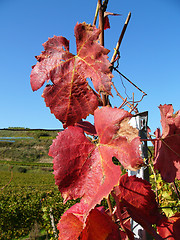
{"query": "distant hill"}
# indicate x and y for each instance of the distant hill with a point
(26, 145)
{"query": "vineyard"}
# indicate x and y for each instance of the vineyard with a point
(93, 190)
(27, 184)
(27, 199)
(28, 193)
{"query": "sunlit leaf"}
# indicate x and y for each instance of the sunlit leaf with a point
(85, 169)
(97, 226)
(167, 150)
(70, 97)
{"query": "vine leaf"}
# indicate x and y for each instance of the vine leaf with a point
(71, 223)
(169, 228)
(70, 97)
(135, 195)
(106, 19)
(87, 127)
(167, 150)
(106, 23)
(97, 226)
(85, 169)
(124, 219)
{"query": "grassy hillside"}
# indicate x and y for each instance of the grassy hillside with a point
(26, 145)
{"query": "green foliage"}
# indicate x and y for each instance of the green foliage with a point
(22, 170)
(26, 199)
(167, 197)
(166, 193)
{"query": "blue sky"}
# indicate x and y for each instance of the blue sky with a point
(150, 53)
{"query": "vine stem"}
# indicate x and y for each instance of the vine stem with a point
(101, 22)
(105, 3)
(105, 99)
(162, 140)
(152, 169)
(176, 190)
(150, 139)
(110, 208)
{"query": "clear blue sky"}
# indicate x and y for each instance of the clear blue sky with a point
(150, 53)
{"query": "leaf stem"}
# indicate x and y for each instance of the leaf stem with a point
(150, 139)
(110, 208)
(97, 10)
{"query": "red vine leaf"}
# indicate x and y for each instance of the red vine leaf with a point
(117, 135)
(69, 227)
(136, 196)
(106, 23)
(106, 19)
(124, 218)
(169, 228)
(70, 98)
(87, 127)
(167, 150)
(98, 225)
(85, 169)
(71, 223)
(71, 104)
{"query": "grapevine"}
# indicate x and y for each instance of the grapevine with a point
(83, 152)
